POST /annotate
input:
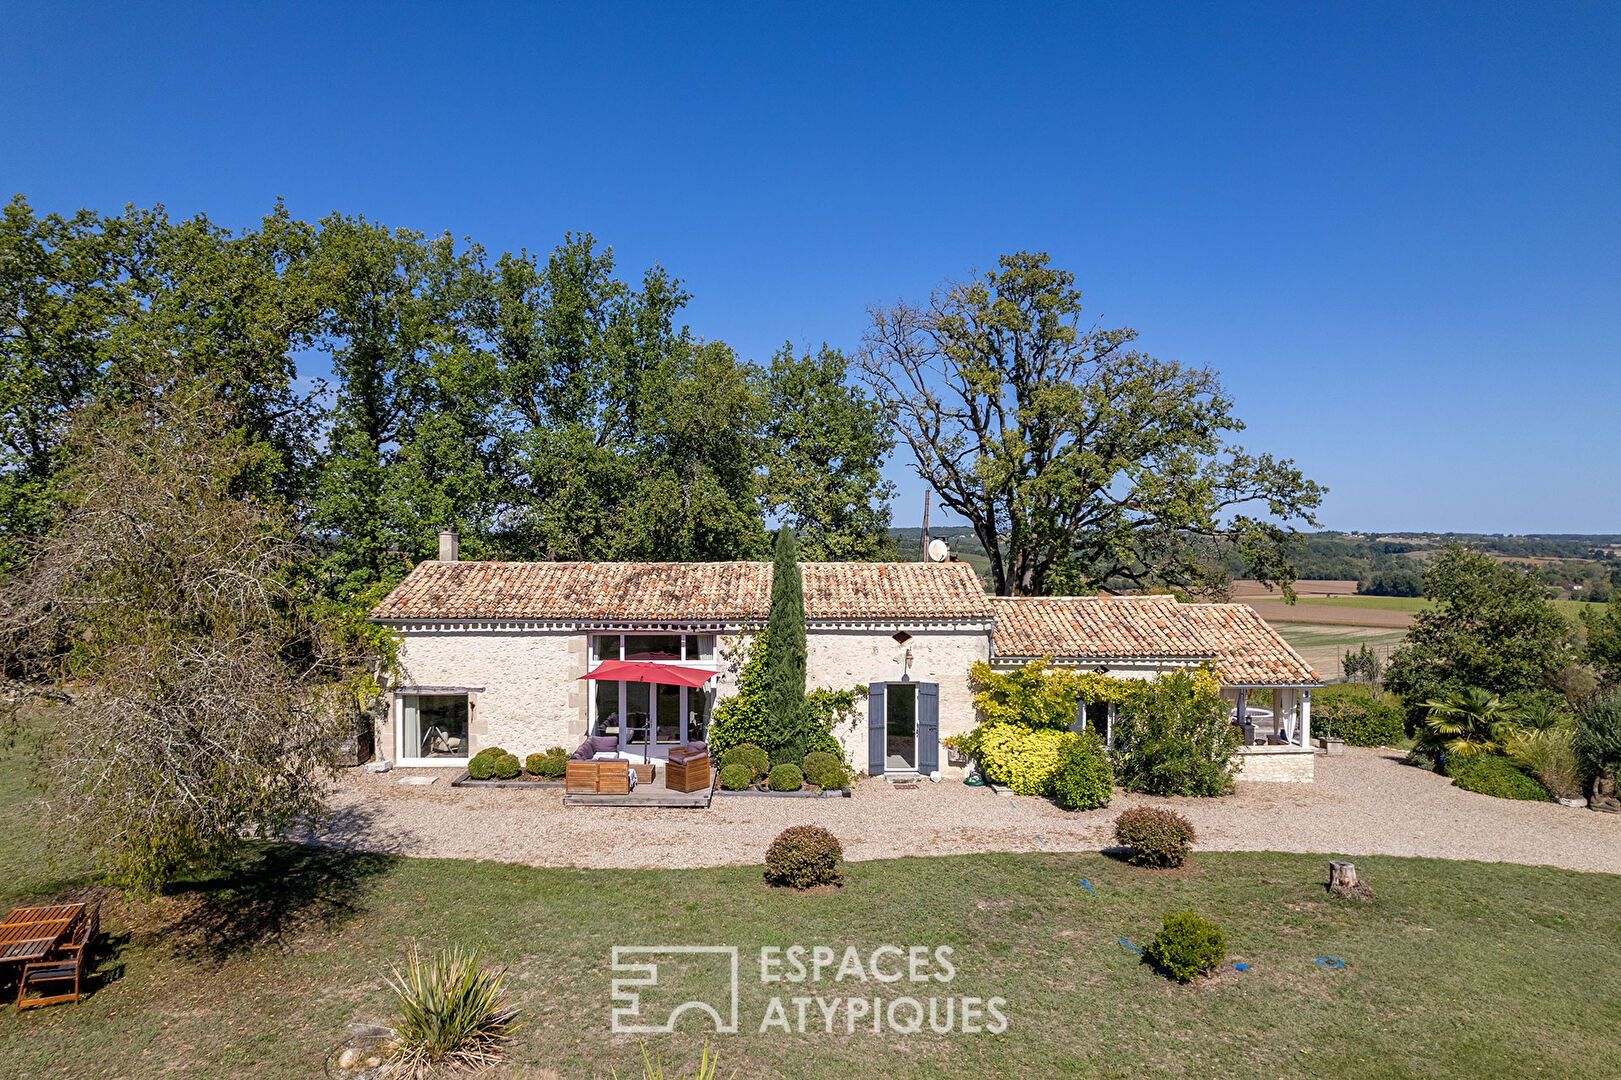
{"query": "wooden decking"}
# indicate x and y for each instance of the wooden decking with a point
(653, 793)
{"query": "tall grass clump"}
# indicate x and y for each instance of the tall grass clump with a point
(1550, 756)
(449, 1012)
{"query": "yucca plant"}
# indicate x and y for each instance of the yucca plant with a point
(450, 1012)
(653, 1067)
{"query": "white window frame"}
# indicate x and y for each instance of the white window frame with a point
(399, 729)
(687, 646)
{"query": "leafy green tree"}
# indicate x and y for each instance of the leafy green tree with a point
(412, 435)
(1604, 640)
(104, 309)
(785, 658)
(1076, 458)
(826, 445)
(208, 685)
(1491, 629)
(629, 439)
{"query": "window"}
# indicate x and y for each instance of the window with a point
(654, 648)
(607, 703)
(433, 726)
(665, 647)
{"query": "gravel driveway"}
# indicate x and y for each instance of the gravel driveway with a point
(1363, 803)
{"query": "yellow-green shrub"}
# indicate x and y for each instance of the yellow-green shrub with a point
(1023, 758)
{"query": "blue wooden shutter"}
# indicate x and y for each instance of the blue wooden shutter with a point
(875, 729)
(928, 728)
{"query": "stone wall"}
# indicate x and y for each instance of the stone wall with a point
(530, 695)
(1277, 764)
(839, 658)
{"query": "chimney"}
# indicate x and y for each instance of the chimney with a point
(447, 545)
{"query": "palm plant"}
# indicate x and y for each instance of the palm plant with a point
(449, 1012)
(1472, 721)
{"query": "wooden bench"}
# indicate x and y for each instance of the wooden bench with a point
(597, 778)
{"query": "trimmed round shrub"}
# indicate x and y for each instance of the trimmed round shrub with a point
(750, 755)
(804, 856)
(786, 778)
(835, 779)
(481, 766)
(735, 777)
(1085, 779)
(820, 767)
(533, 763)
(1187, 946)
(817, 760)
(550, 765)
(1495, 775)
(506, 767)
(1156, 837)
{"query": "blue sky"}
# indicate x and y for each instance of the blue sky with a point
(1394, 228)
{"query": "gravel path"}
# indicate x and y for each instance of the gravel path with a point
(1363, 803)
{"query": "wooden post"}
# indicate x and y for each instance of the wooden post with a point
(1305, 717)
(926, 493)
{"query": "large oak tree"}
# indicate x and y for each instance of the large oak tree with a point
(1077, 458)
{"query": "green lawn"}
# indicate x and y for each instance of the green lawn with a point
(1456, 969)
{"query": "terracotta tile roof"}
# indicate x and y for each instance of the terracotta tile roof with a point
(1247, 650)
(680, 592)
(1244, 649)
(893, 591)
(1110, 627)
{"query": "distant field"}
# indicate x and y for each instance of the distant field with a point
(1276, 611)
(1313, 596)
(1373, 603)
(1324, 646)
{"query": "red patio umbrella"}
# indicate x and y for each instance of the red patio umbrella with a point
(643, 671)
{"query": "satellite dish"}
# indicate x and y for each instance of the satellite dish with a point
(938, 552)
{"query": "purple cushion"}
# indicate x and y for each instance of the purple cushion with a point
(604, 744)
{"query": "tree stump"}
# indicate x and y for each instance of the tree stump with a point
(1342, 881)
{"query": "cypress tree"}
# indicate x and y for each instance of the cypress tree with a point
(785, 654)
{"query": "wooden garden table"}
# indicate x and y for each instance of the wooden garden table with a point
(27, 934)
